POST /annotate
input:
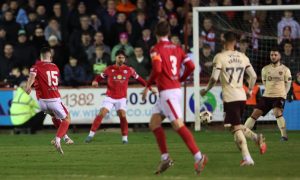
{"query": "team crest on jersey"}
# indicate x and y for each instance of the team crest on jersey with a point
(280, 73)
(119, 76)
(125, 71)
(124, 77)
(112, 70)
(114, 77)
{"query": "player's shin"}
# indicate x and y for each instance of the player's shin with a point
(161, 141)
(250, 122)
(63, 128)
(242, 143)
(124, 128)
(56, 122)
(281, 125)
(188, 138)
(96, 124)
(250, 134)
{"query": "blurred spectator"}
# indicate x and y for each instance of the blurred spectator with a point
(138, 25)
(288, 20)
(25, 72)
(3, 39)
(41, 15)
(61, 18)
(19, 13)
(118, 27)
(140, 63)
(98, 41)
(208, 33)
(75, 38)
(230, 17)
(86, 46)
(7, 61)
(14, 78)
(206, 60)
(30, 6)
(175, 40)
(10, 26)
(32, 24)
(174, 24)
(125, 6)
(255, 30)
(59, 54)
(289, 58)
(170, 7)
(38, 39)
(74, 73)
(100, 60)
(25, 53)
(146, 41)
(122, 45)
(53, 28)
(141, 5)
(108, 18)
(74, 19)
(95, 22)
(249, 15)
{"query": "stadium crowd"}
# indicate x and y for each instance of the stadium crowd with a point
(85, 35)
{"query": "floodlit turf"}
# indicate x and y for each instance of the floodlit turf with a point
(32, 157)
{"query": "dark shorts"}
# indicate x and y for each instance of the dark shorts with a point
(265, 104)
(233, 112)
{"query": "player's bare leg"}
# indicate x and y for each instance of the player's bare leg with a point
(252, 119)
(258, 139)
(158, 131)
(241, 143)
(56, 123)
(124, 125)
(187, 137)
(281, 123)
(62, 130)
(96, 124)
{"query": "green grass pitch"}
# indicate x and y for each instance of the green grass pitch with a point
(32, 157)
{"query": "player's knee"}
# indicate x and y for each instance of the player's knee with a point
(103, 112)
(177, 124)
(277, 112)
(153, 125)
(122, 114)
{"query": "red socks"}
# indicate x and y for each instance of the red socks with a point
(63, 128)
(161, 139)
(96, 124)
(124, 126)
(56, 122)
(188, 138)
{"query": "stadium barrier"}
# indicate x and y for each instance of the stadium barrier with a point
(84, 104)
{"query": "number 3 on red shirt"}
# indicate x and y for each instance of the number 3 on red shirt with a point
(173, 60)
(52, 78)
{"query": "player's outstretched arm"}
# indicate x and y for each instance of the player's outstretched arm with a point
(212, 81)
(189, 68)
(29, 83)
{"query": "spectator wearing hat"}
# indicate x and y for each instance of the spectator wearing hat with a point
(124, 44)
(10, 26)
(25, 53)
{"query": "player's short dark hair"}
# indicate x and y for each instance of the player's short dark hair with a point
(121, 51)
(162, 28)
(275, 49)
(45, 50)
(230, 36)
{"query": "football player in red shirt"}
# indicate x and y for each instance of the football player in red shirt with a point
(45, 75)
(117, 77)
(167, 60)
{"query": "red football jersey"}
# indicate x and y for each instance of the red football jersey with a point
(171, 58)
(46, 80)
(117, 80)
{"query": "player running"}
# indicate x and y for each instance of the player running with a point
(117, 77)
(45, 76)
(277, 80)
(231, 65)
(167, 60)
